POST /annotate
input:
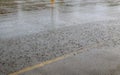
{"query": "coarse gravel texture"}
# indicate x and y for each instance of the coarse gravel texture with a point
(19, 52)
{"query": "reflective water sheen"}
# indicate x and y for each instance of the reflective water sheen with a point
(34, 17)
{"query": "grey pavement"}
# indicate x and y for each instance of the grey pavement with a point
(96, 61)
(36, 32)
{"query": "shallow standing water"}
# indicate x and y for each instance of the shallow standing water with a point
(40, 16)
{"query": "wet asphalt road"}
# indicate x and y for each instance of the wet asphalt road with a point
(30, 36)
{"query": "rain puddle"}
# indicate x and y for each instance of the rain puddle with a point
(28, 17)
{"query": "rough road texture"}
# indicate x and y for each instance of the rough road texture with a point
(100, 60)
(17, 53)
